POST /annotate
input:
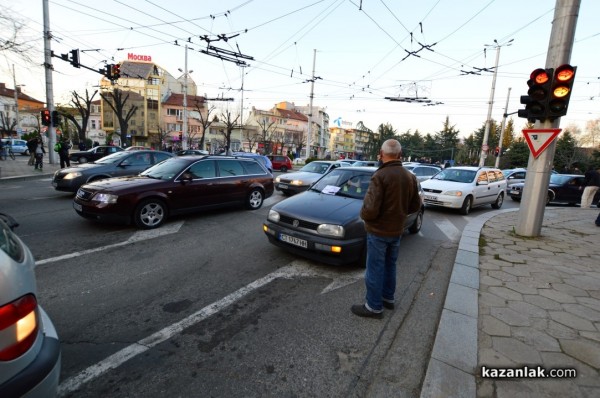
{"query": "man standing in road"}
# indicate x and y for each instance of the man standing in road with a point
(592, 184)
(63, 153)
(393, 194)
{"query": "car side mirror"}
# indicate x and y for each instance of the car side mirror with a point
(186, 177)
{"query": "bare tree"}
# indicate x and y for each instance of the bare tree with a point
(161, 137)
(117, 101)
(252, 137)
(7, 124)
(230, 124)
(12, 40)
(83, 107)
(298, 139)
(265, 133)
(205, 121)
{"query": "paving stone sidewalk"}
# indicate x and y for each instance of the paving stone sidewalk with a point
(516, 301)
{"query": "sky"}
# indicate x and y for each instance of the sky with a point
(362, 51)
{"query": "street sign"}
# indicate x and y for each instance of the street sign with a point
(539, 139)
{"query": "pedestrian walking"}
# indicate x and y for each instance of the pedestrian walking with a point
(63, 153)
(392, 194)
(39, 155)
(31, 145)
(592, 185)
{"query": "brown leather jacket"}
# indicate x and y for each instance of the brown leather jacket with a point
(392, 195)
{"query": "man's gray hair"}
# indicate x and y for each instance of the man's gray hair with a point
(391, 147)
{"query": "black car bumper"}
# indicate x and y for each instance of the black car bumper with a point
(289, 188)
(102, 214)
(318, 248)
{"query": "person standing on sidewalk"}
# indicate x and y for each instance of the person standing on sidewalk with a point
(39, 155)
(31, 145)
(592, 184)
(63, 153)
(393, 194)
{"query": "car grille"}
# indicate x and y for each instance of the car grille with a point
(84, 195)
(432, 190)
(301, 223)
(433, 202)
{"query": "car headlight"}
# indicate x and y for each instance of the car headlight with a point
(273, 216)
(105, 198)
(277, 179)
(296, 182)
(331, 230)
(72, 175)
(453, 193)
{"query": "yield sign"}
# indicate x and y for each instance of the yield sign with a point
(539, 139)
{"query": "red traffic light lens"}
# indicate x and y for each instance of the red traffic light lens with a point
(540, 76)
(564, 73)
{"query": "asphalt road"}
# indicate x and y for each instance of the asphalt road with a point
(205, 306)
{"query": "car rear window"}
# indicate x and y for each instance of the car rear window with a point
(9, 243)
(253, 168)
(228, 168)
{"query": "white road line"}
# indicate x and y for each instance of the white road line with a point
(449, 230)
(295, 269)
(137, 237)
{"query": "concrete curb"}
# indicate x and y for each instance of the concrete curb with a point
(453, 363)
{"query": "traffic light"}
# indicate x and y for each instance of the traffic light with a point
(536, 100)
(497, 151)
(56, 118)
(75, 58)
(562, 84)
(108, 72)
(116, 71)
(45, 116)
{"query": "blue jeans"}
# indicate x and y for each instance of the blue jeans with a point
(380, 277)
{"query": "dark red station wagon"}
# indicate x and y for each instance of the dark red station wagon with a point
(178, 185)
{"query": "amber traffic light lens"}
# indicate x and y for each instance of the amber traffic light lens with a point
(540, 76)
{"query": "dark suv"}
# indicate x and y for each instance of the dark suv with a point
(281, 162)
(178, 185)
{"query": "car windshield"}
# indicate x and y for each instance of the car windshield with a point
(456, 175)
(167, 169)
(316, 167)
(113, 158)
(344, 182)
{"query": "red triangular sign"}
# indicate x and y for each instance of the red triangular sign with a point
(539, 139)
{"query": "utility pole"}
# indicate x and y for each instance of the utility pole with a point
(242, 105)
(184, 136)
(18, 125)
(502, 130)
(310, 107)
(535, 191)
(485, 147)
(49, 86)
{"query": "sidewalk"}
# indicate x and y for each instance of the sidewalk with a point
(16, 170)
(516, 301)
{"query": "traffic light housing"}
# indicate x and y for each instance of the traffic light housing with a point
(538, 96)
(562, 85)
(497, 151)
(56, 118)
(75, 58)
(115, 71)
(45, 116)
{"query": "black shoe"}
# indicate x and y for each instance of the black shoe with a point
(388, 305)
(361, 310)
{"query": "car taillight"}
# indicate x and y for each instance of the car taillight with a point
(18, 327)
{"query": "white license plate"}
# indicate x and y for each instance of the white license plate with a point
(77, 206)
(293, 240)
(428, 197)
(283, 186)
(514, 192)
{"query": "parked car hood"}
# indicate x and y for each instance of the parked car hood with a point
(321, 208)
(301, 175)
(442, 184)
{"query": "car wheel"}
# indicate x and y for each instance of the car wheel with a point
(466, 207)
(83, 159)
(150, 213)
(283, 169)
(255, 199)
(549, 197)
(416, 226)
(499, 200)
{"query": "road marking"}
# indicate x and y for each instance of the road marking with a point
(167, 229)
(298, 268)
(452, 233)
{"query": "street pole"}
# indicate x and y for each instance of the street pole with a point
(18, 125)
(535, 191)
(49, 86)
(242, 108)
(184, 135)
(484, 147)
(502, 130)
(310, 108)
